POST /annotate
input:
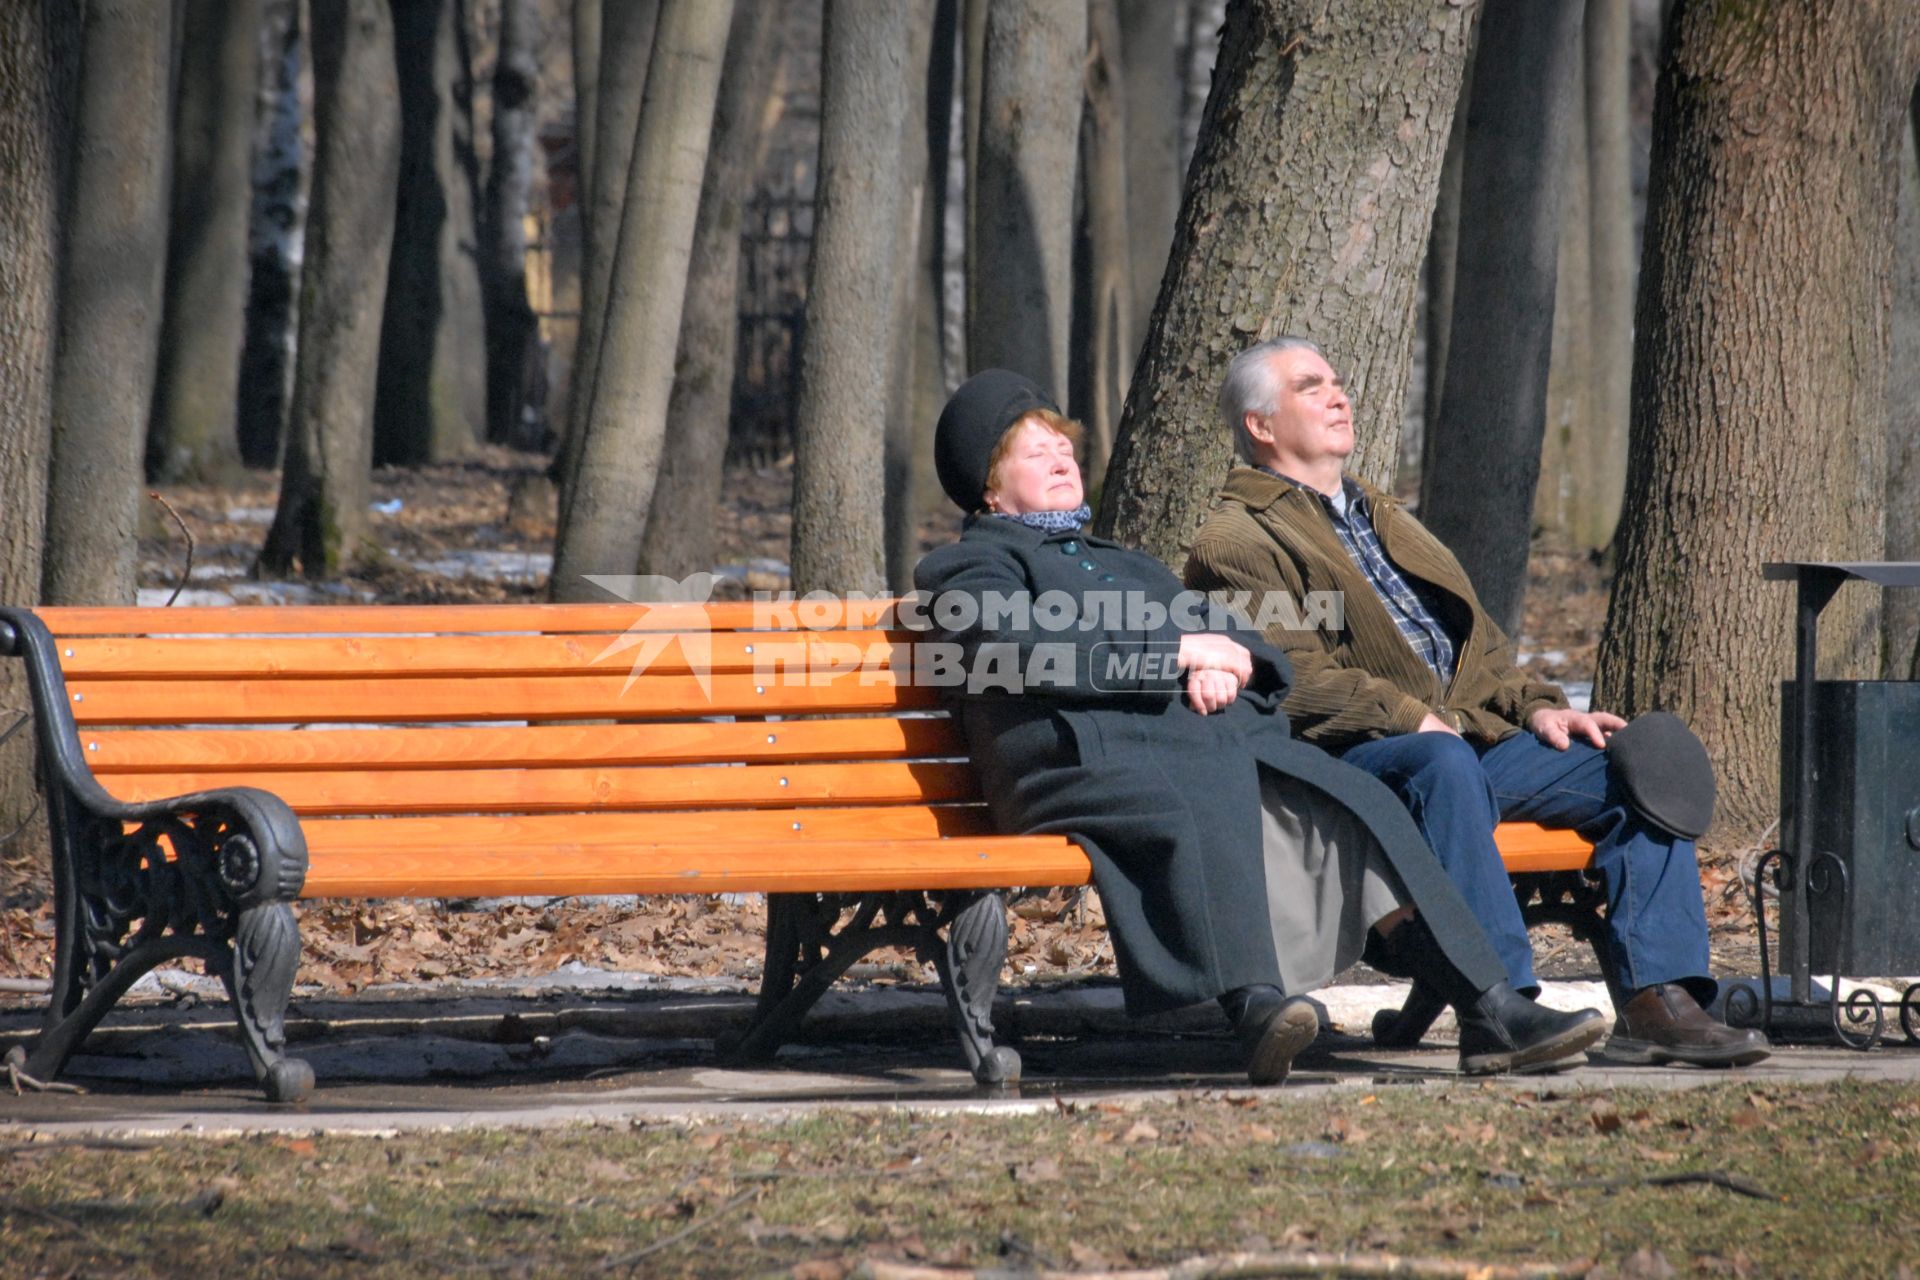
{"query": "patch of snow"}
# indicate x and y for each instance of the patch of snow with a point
(493, 566)
(1579, 694)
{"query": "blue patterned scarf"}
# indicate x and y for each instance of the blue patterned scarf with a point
(1050, 521)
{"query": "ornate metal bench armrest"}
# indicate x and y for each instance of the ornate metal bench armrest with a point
(207, 875)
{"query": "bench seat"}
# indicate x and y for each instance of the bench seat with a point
(208, 766)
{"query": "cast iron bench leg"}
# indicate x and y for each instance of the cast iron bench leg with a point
(969, 965)
(807, 953)
(258, 973)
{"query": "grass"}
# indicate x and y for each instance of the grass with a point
(1806, 1181)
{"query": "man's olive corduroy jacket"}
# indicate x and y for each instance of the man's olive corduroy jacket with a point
(1363, 680)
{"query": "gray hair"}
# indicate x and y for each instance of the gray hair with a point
(1250, 386)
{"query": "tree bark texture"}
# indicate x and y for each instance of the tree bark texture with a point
(1760, 371)
(1602, 478)
(110, 303)
(1023, 188)
(1568, 416)
(940, 329)
(973, 79)
(626, 44)
(321, 522)
(1150, 67)
(1443, 256)
(680, 521)
(192, 433)
(586, 92)
(604, 522)
(276, 229)
(431, 403)
(868, 87)
(901, 508)
(1103, 344)
(1477, 496)
(1900, 608)
(511, 326)
(1202, 26)
(39, 62)
(1307, 212)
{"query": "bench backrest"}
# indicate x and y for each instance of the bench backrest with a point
(493, 728)
(496, 727)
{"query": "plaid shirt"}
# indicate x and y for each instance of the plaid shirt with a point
(1353, 522)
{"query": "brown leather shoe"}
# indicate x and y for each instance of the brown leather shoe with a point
(1662, 1023)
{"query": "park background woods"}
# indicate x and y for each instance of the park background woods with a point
(1628, 279)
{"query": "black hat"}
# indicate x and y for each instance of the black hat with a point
(1665, 772)
(978, 414)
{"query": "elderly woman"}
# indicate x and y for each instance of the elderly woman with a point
(1234, 863)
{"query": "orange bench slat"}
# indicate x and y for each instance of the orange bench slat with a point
(448, 619)
(113, 751)
(1527, 847)
(577, 790)
(277, 657)
(349, 701)
(784, 827)
(823, 866)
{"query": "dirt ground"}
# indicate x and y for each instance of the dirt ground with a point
(480, 531)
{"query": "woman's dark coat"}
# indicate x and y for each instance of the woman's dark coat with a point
(1165, 801)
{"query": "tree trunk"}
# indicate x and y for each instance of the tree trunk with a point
(276, 228)
(321, 522)
(901, 510)
(586, 94)
(1443, 257)
(1149, 63)
(1202, 26)
(1487, 439)
(39, 62)
(939, 314)
(1103, 288)
(606, 518)
(626, 44)
(1023, 188)
(680, 522)
(1760, 371)
(192, 433)
(1307, 212)
(1900, 607)
(1568, 416)
(867, 89)
(431, 401)
(511, 327)
(110, 303)
(973, 79)
(1601, 478)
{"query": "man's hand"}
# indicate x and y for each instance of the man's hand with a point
(1211, 689)
(1203, 651)
(1559, 726)
(1434, 724)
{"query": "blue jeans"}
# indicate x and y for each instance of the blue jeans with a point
(1458, 792)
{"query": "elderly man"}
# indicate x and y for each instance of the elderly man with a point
(1419, 687)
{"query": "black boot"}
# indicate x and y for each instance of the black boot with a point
(1402, 1028)
(1272, 1028)
(1500, 1029)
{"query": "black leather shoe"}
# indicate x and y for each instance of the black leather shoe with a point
(1662, 1023)
(1502, 1031)
(1272, 1028)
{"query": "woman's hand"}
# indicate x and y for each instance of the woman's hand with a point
(1211, 689)
(1203, 651)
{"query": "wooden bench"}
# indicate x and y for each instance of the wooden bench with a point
(205, 768)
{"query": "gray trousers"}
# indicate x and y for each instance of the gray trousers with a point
(1328, 880)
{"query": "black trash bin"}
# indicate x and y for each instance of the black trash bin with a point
(1866, 813)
